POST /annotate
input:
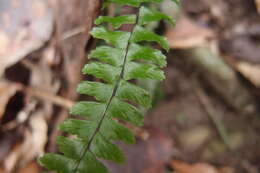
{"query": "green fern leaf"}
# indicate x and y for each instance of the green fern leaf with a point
(116, 131)
(135, 3)
(82, 128)
(62, 164)
(57, 162)
(148, 15)
(142, 34)
(116, 21)
(116, 38)
(110, 129)
(71, 148)
(117, 100)
(103, 71)
(125, 111)
(137, 52)
(104, 149)
(101, 92)
(88, 109)
(143, 71)
(131, 92)
(107, 54)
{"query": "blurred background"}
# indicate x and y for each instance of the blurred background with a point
(206, 116)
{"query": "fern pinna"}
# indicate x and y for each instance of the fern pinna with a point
(125, 59)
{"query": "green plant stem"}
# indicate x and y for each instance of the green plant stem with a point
(87, 148)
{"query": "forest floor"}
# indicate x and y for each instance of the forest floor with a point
(206, 114)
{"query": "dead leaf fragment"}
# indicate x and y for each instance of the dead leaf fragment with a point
(182, 167)
(32, 145)
(195, 137)
(24, 27)
(250, 71)
(257, 2)
(187, 34)
(30, 168)
(35, 140)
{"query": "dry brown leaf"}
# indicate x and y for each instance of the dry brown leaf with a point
(257, 2)
(182, 167)
(32, 146)
(195, 137)
(250, 71)
(25, 25)
(35, 140)
(30, 168)
(187, 34)
(11, 160)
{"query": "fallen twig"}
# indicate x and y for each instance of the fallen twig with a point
(47, 96)
(73, 32)
(207, 106)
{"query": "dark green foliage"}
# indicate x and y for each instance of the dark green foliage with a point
(116, 98)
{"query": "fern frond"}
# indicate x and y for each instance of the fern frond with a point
(148, 15)
(142, 34)
(116, 21)
(123, 59)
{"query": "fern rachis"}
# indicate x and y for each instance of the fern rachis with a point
(115, 66)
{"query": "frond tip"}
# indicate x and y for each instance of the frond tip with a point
(116, 98)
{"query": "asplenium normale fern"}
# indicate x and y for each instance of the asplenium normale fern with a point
(123, 59)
